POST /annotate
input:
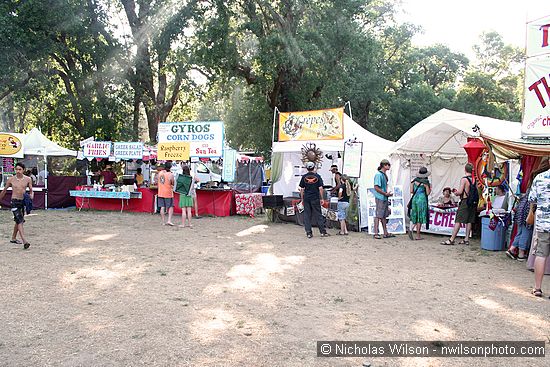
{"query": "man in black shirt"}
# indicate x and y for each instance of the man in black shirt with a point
(311, 190)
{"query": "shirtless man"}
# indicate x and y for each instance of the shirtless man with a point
(19, 184)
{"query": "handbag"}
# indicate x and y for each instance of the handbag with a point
(410, 204)
(531, 216)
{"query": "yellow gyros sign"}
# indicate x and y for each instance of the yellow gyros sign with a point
(10, 145)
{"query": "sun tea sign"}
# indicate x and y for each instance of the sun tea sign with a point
(97, 149)
(312, 125)
(204, 139)
(10, 146)
(536, 117)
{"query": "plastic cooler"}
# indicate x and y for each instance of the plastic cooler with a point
(492, 240)
(265, 189)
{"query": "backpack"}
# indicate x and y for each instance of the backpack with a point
(473, 195)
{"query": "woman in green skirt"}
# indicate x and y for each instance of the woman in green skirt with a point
(420, 189)
(185, 186)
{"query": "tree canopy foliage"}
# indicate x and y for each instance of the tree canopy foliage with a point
(114, 69)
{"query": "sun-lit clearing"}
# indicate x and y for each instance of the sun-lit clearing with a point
(103, 277)
(76, 251)
(211, 322)
(432, 330)
(100, 237)
(520, 318)
(260, 228)
(261, 270)
(515, 290)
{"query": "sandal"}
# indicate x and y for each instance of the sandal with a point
(537, 292)
(389, 235)
(340, 234)
(377, 237)
(16, 242)
(464, 242)
(26, 245)
(448, 243)
(325, 234)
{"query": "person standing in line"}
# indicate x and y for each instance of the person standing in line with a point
(420, 189)
(185, 185)
(344, 193)
(311, 191)
(166, 193)
(539, 197)
(522, 240)
(381, 196)
(465, 214)
(19, 184)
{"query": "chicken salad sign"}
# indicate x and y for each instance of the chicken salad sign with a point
(312, 125)
(204, 138)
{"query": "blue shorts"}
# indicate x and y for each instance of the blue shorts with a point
(165, 202)
(342, 209)
(18, 210)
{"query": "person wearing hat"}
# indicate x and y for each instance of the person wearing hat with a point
(420, 189)
(311, 192)
(109, 177)
(381, 196)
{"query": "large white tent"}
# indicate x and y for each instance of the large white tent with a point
(35, 143)
(438, 140)
(288, 153)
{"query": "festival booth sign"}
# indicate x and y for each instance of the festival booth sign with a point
(325, 124)
(205, 138)
(128, 150)
(11, 145)
(97, 149)
(287, 166)
(396, 220)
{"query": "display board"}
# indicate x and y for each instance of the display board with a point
(205, 138)
(442, 221)
(229, 165)
(353, 156)
(396, 220)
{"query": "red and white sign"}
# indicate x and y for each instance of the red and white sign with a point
(442, 221)
(536, 117)
(538, 37)
(97, 149)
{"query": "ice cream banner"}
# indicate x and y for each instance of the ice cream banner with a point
(536, 117)
(132, 150)
(176, 151)
(312, 125)
(97, 149)
(205, 138)
(10, 146)
(538, 37)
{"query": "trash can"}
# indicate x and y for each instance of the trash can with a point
(492, 240)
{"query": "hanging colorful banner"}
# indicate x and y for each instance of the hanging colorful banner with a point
(173, 151)
(132, 150)
(229, 165)
(97, 149)
(538, 37)
(10, 146)
(312, 125)
(205, 139)
(536, 117)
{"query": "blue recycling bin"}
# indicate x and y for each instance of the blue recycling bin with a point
(492, 240)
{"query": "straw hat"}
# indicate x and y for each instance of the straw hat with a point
(423, 173)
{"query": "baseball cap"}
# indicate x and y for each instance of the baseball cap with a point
(310, 165)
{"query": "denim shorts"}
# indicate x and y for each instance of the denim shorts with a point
(165, 202)
(342, 209)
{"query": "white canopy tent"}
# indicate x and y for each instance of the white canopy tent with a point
(375, 149)
(35, 143)
(437, 142)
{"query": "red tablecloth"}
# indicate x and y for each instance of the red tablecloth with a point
(210, 202)
(247, 204)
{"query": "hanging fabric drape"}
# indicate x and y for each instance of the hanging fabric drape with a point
(276, 169)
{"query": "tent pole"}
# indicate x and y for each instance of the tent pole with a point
(348, 103)
(275, 111)
(46, 182)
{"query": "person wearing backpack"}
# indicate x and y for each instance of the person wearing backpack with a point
(467, 208)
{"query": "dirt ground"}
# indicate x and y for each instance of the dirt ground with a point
(112, 289)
